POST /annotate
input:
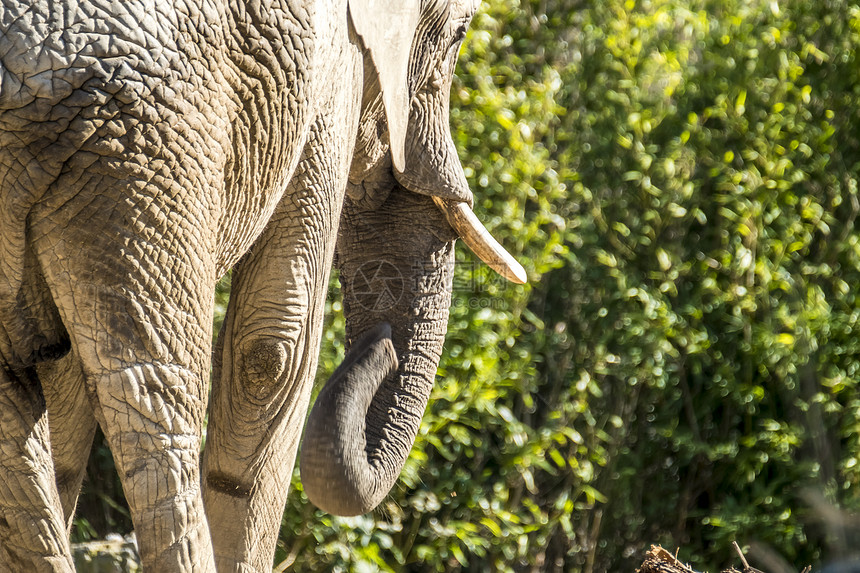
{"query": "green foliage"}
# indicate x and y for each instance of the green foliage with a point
(680, 180)
(102, 508)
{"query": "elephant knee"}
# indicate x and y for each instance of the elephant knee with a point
(262, 364)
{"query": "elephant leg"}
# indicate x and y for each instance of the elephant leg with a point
(150, 404)
(269, 347)
(72, 425)
(32, 534)
(139, 315)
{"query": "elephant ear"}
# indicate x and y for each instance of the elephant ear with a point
(387, 28)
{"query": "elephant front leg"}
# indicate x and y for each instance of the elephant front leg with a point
(269, 348)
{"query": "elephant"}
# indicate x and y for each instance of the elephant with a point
(146, 148)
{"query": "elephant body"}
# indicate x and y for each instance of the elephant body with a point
(146, 102)
(146, 148)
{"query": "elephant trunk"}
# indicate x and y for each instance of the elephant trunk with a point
(365, 420)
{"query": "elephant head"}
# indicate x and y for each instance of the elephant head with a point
(407, 202)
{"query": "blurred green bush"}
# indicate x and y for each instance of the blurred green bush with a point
(680, 180)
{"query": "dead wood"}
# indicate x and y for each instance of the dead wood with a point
(659, 560)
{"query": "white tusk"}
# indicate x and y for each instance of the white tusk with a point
(466, 224)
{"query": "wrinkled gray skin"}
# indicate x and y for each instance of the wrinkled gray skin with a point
(145, 149)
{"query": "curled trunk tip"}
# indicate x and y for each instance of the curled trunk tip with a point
(338, 475)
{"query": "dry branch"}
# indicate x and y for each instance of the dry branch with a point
(659, 560)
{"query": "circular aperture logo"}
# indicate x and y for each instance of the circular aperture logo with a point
(378, 285)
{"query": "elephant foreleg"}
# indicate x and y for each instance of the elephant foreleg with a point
(32, 533)
(269, 348)
(72, 426)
